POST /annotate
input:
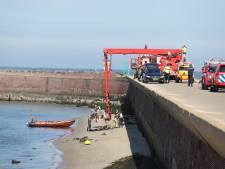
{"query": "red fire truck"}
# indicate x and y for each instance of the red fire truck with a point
(207, 73)
(218, 77)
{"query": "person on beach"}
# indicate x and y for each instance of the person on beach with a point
(89, 124)
(104, 114)
(9, 98)
(99, 114)
(115, 120)
(121, 120)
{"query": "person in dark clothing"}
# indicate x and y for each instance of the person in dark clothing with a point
(190, 75)
(89, 124)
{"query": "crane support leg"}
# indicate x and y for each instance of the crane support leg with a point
(107, 66)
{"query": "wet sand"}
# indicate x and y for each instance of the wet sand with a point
(107, 146)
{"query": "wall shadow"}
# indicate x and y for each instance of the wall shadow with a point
(143, 156)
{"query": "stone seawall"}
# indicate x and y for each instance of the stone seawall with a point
(168, 128)
(68, 86)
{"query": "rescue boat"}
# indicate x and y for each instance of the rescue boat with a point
(53, 124)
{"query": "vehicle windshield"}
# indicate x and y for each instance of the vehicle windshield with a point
(212, 69)
(154, 70)
(183, 68)
(222, 68)
(152, 66)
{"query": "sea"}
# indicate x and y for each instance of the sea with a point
(33, 147)
(120, 71)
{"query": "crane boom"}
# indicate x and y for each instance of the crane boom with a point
(111, 51)
(108, 52)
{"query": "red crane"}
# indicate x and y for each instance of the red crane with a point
(108, 52)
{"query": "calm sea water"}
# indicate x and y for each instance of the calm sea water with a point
(32, 146)
(198, 75)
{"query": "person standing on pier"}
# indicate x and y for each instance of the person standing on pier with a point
(190, 75)
(167, 71)
(184, 52)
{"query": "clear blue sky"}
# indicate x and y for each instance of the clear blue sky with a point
(72, 33)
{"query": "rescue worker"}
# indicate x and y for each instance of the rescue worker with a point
(146, 47)
(190, 75)
(184, 52)
(166, 72)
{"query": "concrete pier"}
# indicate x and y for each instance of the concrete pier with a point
(57, 87)
(184, 125)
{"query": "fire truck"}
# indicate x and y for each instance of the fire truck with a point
(208, 70)
(218, 78)
(165, 57)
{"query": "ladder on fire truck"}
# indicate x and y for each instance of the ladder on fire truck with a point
(108, 52)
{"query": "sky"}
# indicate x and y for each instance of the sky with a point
(73, 33)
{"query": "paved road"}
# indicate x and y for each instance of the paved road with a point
(208, 105)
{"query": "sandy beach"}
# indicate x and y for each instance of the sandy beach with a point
(107, 146)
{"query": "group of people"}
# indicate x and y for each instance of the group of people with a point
(167, 71)
(98, 115)
(118, 119)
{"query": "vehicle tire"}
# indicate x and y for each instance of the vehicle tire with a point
(144, 80)
(211, 89)
(214, 88)
(139, 79)
(203, 85)
(161, 81)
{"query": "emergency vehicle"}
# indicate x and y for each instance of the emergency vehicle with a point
(208, 70)
(152, 73)
(218, 78)
(182, 73)
(172, 59)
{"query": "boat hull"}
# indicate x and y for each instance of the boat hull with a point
(52, 124)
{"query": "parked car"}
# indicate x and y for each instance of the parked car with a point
(207, 73)
(218, 78)
(152, 73)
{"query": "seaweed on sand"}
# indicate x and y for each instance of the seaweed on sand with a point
(133, 162)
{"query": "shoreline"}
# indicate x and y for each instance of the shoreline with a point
(58, 143)
(107, 146)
